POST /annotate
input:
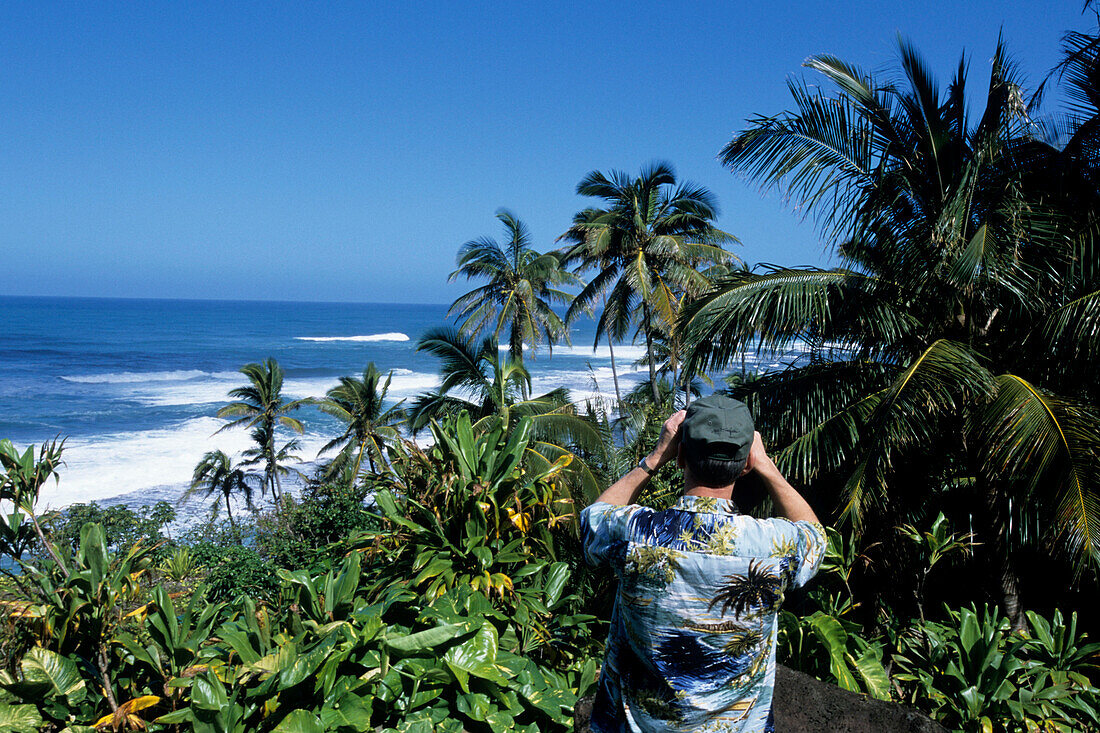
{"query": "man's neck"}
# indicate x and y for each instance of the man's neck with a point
(723, 493)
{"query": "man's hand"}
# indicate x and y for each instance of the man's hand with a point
(626, 489)
(787, 502)
(758, 457)
(668, 445)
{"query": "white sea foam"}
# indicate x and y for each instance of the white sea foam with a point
(182, 375)
(623, 352)
(121, 463)
(372, 337)
(212, 388)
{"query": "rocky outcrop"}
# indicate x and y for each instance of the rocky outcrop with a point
(806, 705)
(803, 704)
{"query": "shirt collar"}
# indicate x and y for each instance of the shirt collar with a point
(706, 504)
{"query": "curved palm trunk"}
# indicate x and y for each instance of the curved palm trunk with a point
(229, 512)
(359, 461)
(614, 371)
(515, 350)
(997, 532)
(649, 355)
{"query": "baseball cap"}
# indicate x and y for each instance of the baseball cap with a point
(718, 426)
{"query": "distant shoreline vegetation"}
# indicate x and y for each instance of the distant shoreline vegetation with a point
(944, 420)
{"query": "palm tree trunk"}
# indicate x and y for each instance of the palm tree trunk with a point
(997, 532)
(614, 371)
(229, 512)
(649, 355)
(359, 462)
(515, 350)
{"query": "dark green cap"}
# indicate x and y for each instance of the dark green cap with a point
(718, 427)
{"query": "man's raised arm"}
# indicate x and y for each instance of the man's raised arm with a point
(788, 502)
(626, 489)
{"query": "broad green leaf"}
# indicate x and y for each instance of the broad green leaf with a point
(555, 582)
(208, 692)
(20, 718)
(873, 674)
(300, 721)
(475, 705)
(427, 639)
(835, 640)
(476, 657)
(61, 675)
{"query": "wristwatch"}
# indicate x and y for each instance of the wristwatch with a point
(645, 467)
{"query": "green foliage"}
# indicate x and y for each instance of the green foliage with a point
(832, 647)
(370, 425)
(961, 306)
(122, 526)
(457, 610)
(260, 406)
(216, 474)
(523, 286)
(648, 243)
(498, 387)
(179, 565)
(240, 571)
(973, 674)
(311, 532)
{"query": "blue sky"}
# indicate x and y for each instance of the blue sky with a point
(343, 151)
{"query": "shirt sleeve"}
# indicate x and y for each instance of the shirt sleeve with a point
(811, 550)
(604, 531)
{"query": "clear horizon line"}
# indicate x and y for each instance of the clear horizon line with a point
(216, 300)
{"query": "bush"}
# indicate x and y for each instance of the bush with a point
(239, 571)
(971, 674)
(122, 526)
(312, 533)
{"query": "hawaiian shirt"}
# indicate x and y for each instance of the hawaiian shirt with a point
(692, 639)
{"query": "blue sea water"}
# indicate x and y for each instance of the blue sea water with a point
(134, 385)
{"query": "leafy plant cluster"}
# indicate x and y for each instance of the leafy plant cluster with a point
(449, 612)
(968, 670)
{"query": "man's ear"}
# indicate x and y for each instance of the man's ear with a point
(748, 465)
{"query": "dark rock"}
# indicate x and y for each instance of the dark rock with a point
(803, 704)
(582, 713)
(806, 705)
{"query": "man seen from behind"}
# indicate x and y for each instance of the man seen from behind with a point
(692, 640)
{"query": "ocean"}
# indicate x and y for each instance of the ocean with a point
(134, 385)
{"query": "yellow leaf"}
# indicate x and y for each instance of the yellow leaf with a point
(138, 612)
(140, 703)
(521, 521)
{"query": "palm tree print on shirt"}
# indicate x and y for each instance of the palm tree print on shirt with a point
(750, 594)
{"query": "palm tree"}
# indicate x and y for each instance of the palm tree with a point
(361, 405)
(923, 374)
(647, 244)
(520, 293)
(216, 474)
(260, 404)
(479, 380)
(274, 458)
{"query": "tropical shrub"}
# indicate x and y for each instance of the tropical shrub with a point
(179, 565)
(122, 526)
(241, 571)
(971, 674)
(311, 532)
